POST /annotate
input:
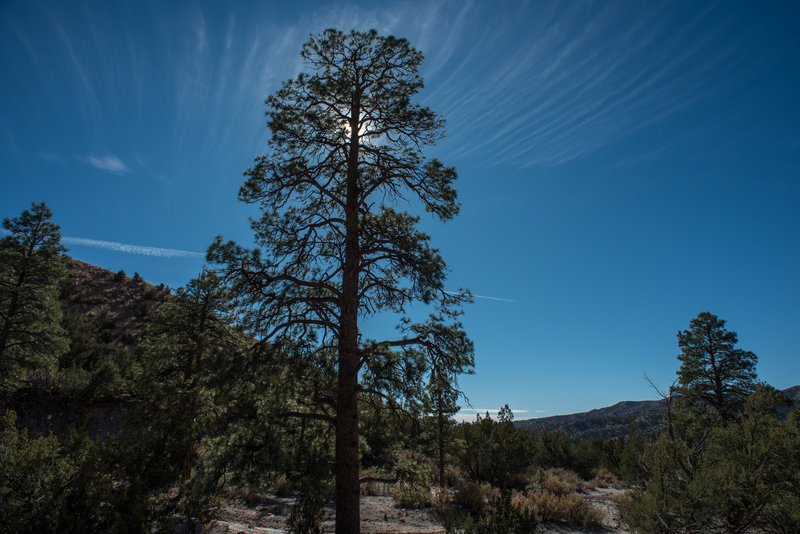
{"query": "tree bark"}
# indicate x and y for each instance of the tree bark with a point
(440, 421)
(348, 494)
(348, 519)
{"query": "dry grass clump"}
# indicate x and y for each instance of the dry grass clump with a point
(441, 501)
(604, 478)
(518, 480)
(471, 496)
(412, 495)
(453, 476)
(374, 487)
(565, 509)
(281, 486)
(561, 482)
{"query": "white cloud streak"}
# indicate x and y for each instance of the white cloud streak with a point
(490, 410)
(109, 163)
(484, 297)
(469, 414)
(131, 249)
(497, 299)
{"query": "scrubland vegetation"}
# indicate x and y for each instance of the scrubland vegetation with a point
(193, 413)
(254, 378)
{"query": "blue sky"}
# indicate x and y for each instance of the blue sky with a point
(622, 166)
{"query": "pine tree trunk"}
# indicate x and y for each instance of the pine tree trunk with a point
(348, 492)
(441, 449)
(348, 519)
(347, 468)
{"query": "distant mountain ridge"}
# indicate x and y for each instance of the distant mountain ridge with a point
(617, 420)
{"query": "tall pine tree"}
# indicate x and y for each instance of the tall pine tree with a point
(346, 149)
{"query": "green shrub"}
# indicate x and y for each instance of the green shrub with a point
(502, 518)
(414, 487)
(412, 495)
(374, 487)
(47, 485)
(306, 516)
(32, 477)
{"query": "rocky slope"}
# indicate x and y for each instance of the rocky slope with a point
(115, 304)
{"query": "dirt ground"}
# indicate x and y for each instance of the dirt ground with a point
(379, 515)
(603, 498)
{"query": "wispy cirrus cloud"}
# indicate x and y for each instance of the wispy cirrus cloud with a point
(76, 55)
(577, 80)
(131, 249)
(109, 163)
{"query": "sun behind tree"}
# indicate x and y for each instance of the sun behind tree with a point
(346, 148)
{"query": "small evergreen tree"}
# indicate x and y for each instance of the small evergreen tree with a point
(187, 340)
(442, 405)
(745, 466)
(740, 477)
(631, 456)
(31, 269)
(713, 372)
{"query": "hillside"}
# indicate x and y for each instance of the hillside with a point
(616, 420)
(114, 304)
(104, 315)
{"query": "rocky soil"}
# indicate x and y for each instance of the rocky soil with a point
(379, 515)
